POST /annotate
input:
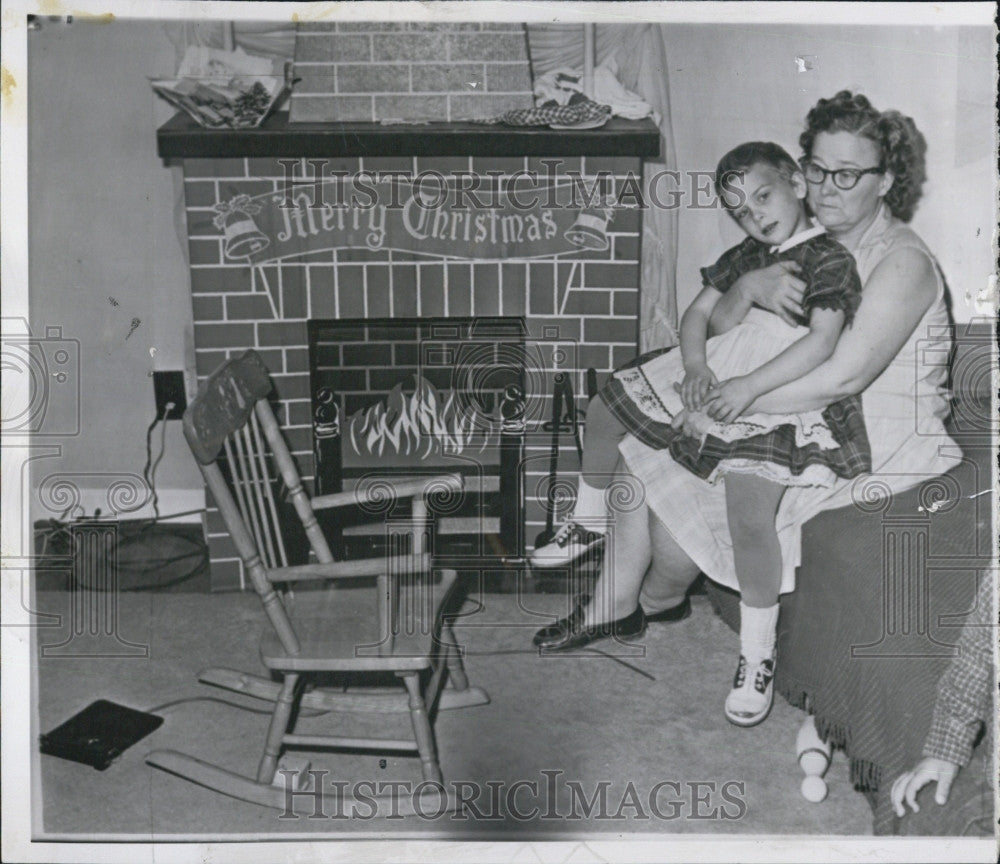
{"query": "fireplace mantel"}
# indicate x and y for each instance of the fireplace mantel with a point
(182, 138)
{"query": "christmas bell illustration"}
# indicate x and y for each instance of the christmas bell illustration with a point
(589, 231)
(235, 218)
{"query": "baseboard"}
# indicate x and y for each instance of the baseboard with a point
(189, 502)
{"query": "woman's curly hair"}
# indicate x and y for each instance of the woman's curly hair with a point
(900, 143)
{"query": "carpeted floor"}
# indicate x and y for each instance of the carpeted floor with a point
(590, 722)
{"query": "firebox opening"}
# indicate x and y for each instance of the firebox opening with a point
(408, 397)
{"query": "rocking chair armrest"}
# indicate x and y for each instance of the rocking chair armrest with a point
(366, 567)
(396, 489)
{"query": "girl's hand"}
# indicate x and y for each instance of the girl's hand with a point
(730, 399)
(694, 388)
(776, 288)
(693, 424)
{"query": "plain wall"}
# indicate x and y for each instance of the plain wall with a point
(730, 84)
(102, 202)
(102, 226)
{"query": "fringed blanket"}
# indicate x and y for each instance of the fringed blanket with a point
(881, 596)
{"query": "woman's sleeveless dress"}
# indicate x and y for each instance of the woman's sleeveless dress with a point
(904, 411)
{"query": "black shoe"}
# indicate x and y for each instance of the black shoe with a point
(554, 631)
(568, 633)
(674, 613)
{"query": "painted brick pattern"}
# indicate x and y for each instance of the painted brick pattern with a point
(409, 71)
(586, 301)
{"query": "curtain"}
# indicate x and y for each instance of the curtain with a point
(639, 51)
(274, 39)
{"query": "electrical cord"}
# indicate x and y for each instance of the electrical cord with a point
(582, 651)
(199, 551)
(146, 475)
(59, 530)
(187, 699)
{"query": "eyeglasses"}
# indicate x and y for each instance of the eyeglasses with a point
(843, 178)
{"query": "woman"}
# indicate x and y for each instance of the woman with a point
(864, 170)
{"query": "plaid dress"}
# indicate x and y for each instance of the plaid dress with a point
(805, 449)
(904, 406)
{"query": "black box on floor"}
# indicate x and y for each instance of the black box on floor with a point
(99, 733)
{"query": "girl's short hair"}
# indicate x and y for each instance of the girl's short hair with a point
(901, 146)
(742, 158)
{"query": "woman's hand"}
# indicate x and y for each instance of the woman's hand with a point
(698, 380)
(730, 399)
(928, 770)
(776, 288)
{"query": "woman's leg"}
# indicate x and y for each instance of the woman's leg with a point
(629, 567)
(626, 564)
(670, 574)
(627, 555)
(586, 528)
(615, 594)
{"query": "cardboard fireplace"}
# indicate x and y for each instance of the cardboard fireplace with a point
(419, 312)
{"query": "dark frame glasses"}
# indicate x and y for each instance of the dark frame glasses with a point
(843, 178)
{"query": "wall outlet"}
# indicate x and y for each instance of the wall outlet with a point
(169, 387)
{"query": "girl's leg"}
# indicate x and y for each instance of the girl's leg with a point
(586, 528)
(752, 504)
(601, 436)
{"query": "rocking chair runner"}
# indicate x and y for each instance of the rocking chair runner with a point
(229, 422)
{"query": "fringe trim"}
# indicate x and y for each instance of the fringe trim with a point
(866, 776)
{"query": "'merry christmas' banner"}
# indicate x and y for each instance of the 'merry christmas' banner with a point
(392, 214)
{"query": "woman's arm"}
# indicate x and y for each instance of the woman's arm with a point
(775, 288)
(731, 398)
(895, 298)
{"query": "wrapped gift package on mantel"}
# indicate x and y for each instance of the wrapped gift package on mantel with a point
(226, 89)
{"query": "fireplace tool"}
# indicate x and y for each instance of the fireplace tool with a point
(562, 394)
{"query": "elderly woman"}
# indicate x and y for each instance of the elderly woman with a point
(864, 170)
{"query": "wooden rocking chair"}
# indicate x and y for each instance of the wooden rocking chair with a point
(227, 426)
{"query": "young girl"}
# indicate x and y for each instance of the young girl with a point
(757, 455)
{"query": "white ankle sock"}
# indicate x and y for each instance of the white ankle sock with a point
(758, 631)
(590, 511)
